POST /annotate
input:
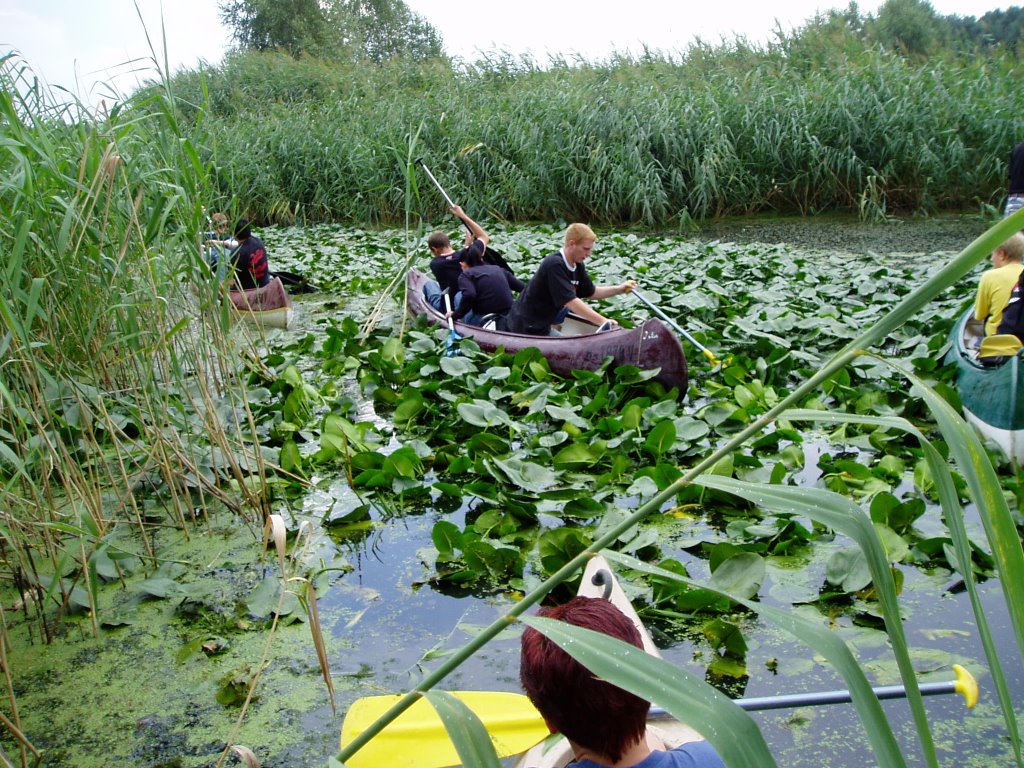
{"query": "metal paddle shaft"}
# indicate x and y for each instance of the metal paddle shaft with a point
(490, 255)
(965, 685)
(453, 337)
(656, 310)
(421, 164)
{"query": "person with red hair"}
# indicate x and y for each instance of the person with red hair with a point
(606, 726)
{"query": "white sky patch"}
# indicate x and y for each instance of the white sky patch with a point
(101, 44)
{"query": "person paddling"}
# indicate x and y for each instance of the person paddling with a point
(605, 725)
(219, 244)
(249, 259)
(445, 263)
(559, 286)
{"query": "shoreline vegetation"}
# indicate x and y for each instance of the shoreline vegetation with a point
(128, 406)
(656, 141)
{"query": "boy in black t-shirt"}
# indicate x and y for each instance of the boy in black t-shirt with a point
(561, 283)
(445, 262)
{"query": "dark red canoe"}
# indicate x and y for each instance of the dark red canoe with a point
(648, 346)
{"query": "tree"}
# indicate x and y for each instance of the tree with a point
(910, 26)
(332, 29)
(389, 29)
(296, 26)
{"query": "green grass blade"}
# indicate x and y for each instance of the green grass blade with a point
(954, 516)
(977, 471)
(841, 514)
(465, 730)
(821, 639)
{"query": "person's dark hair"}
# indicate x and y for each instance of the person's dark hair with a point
(591, 712)
(473, 257)
(438, 240)
(242, 229)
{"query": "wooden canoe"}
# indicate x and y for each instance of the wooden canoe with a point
(648, 346)
(269, 306)
(599, 581)
(992, 396)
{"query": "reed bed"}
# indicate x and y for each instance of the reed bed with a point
(116, 379)
(657, 141)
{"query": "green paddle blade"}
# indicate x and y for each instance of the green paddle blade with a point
(418, 739)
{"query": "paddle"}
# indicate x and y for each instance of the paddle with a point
(297, 283)
(715, 362)
(491, 256)
(417, 738)
(451, 343)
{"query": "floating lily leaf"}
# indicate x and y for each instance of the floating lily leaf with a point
(739, 574)
(266, 599)
(660, 439)
(481, 413)
(291, 459)
(458, 367)
(487, 443)
(552, 439)
(848, 570)
(524, 474)
(403, 463)
(567, 415)
(723, 634)
(557, 547)
(411, 403)
(578, 456)
(584, 506)
(690, 429)
(900, 516)
(447, 538)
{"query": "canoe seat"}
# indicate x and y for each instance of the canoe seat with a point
(997, 349)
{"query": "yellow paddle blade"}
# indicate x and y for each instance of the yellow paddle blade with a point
(418, 739)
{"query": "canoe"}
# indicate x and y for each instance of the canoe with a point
(992, 396)
(599, 581)
(648, 346)
(268, 307)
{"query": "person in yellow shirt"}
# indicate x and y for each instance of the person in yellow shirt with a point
(997, 283)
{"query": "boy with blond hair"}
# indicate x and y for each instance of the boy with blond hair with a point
(997, 284)
(560, 285)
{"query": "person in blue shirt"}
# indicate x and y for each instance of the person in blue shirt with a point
(605, 725)
(1015, 192)
(219, 244)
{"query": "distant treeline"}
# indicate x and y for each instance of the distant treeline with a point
(846, 114)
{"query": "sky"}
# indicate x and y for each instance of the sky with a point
(96, 47)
